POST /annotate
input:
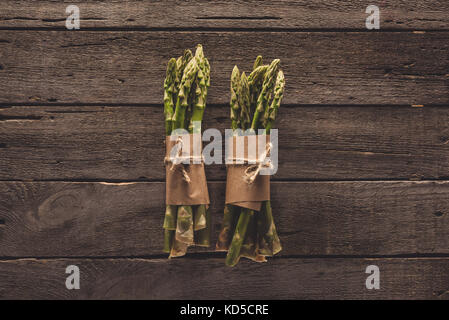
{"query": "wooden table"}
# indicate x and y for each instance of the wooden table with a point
(364, 152)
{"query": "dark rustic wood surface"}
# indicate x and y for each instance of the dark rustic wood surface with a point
(81, 147)
(58, 219)
(424, 278)
(277, 14)
(316, 143)
(123, 67)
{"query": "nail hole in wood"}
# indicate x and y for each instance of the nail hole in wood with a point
(438, 213)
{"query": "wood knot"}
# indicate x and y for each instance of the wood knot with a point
(438, 213)
(61, 207)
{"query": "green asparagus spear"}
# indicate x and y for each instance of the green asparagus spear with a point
(188, 79)
(181, 64)
(255, 81)
(233, 255)
(235, 107)
(271, 111)
(169, 90)
(269, 240)
(169, 236)
(265, 94)
(202, 84)
(244, 102)
(249, 247)
(169, 95)
(169, 226)
(257, 63)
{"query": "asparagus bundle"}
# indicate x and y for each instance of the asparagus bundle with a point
(185, 91)
(245, 232)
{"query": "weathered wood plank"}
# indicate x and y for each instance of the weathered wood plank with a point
(279, 14)
(328, 218)
(126, 143)
(129, 67)
(210, 279)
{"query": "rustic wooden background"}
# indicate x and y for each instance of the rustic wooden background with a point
(364, 158)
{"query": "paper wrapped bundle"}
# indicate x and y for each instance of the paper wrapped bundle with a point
(248, 228)
(187, 218)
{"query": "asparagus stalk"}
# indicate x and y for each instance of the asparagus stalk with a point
(255, 81)
(203, 83)
(231, 212)
(244, 102)
(233, 255)
(188, 79)
(169, 90)
(169, 236)
(181, 64)
(265, 94)
(235, 106)
(269, 241)
(258, 62)
(271, 111)
(250, 245)
(169, 94)
(239, 116)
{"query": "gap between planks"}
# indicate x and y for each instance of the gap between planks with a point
(222, 29)
(125, 182)
(7, 105)
(220, 255)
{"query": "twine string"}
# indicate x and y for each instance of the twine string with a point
(253, 170)
(178, 160)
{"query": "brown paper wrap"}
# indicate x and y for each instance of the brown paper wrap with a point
(238, 191)
(179, 191)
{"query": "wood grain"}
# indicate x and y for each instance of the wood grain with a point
(129, 67)
(69, 219)
(315, 143)
(280, 14)
(211, 279)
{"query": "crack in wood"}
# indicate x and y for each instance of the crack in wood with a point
(4, 117)
(71, 111)
(220, 255)
(19, 18)
(83, 45)
(81, 19)
(96, 43)
(239, 18)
